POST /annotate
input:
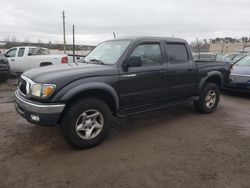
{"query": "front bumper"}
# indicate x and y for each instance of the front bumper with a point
(38, 113)
(4, 71)
(241, 87)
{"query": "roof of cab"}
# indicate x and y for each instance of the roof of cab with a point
(168, 39)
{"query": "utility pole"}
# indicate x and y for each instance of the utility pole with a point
(74, 43)
(199, 50)
(114, 35)
(223, 44)
(244, 46)
(64, 35)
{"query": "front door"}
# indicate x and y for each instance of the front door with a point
(11, 55)
(141, 85)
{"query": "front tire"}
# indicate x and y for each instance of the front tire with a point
(86, 123)
(209, 99)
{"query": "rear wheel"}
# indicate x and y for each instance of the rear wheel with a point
(209, 99)
(86, 123)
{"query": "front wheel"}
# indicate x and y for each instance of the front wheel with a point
(209, 99)
(86, 123)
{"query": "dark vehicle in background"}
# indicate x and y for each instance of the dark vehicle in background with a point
(204, 56)
(240, 76)
(233, 55)
(120, 78)
(207, 56)
(4, 69)
(237, 57)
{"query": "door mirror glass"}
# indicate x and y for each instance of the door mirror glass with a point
(133, 61)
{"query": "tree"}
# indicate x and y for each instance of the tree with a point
(26, 40)
(7, 39)
(39, 41)
(13, 39)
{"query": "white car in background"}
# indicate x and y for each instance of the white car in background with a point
(28, 57)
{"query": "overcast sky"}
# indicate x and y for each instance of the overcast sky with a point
(95, 20)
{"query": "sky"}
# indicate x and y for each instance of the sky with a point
(96, 20)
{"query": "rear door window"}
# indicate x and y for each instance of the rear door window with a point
(177, 53)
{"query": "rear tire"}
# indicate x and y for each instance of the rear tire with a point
(209, 99)
(86, 123)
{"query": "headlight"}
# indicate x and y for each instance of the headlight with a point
(42, 90)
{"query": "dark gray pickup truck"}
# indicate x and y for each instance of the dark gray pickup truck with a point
(119, 78)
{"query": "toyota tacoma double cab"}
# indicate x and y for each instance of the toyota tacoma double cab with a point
(120, 78)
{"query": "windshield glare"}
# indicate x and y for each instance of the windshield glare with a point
(108, 52)
(244, 62)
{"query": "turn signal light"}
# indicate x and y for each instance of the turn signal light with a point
(47, 90)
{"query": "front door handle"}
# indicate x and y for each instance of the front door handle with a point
(190, 70)
(12, 59)
(163, 72)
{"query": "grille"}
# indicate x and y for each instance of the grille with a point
(4, 67)
(22, 86)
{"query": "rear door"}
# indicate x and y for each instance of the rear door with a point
(141, 85)
(183, 75)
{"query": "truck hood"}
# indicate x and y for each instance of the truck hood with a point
(68, 72)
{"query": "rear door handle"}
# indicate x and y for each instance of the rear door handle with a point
(190, 70)
(12, 59)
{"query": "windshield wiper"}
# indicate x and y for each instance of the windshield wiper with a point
(97, 61)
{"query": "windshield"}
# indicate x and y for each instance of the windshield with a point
(107, 52)
(244, 62)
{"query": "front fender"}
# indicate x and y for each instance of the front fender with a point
(69, 93)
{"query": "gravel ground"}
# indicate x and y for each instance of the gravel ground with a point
(175, 147)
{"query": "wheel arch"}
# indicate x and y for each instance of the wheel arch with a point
(213, 77)
(96, 90)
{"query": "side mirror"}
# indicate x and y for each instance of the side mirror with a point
(5, 55)
(135, 61)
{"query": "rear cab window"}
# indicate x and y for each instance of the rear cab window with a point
(32, 51)
(177, 53)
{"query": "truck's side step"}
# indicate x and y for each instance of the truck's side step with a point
(152, 107)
